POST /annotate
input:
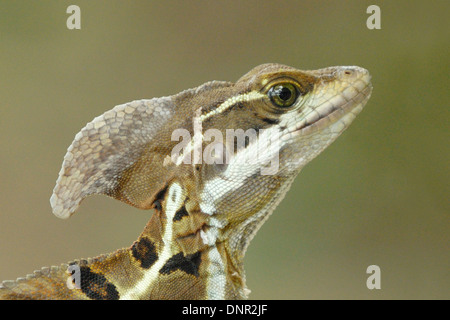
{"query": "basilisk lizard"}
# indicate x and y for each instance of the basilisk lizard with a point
(213, 162)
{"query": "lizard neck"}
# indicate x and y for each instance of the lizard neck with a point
(183, 246)
(181, 254)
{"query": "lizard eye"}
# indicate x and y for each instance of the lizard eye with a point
(283, 95)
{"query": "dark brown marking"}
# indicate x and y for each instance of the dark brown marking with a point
(182, 212)
(270, 121)
(145, 252)
(189, 264)
(96, 286)
(157, 204)
(161, 194)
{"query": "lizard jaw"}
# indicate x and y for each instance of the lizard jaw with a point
(351, 92)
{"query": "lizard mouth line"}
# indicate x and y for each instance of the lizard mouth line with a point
(333, 110)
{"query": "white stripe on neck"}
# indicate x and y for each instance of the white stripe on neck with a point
(174, 201)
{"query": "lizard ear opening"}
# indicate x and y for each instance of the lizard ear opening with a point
(116, 155)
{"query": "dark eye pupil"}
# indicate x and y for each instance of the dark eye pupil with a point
(284, 93)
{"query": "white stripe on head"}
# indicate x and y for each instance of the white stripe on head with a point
(242, 165)
(245, 97)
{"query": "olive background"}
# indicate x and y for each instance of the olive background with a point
(379, 195)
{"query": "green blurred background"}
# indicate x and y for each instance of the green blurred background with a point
(378, 195)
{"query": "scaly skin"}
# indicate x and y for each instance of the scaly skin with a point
(157, 154)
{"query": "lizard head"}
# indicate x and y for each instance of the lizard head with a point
(298, 112)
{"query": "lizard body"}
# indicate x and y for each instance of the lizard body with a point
(213, 162)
